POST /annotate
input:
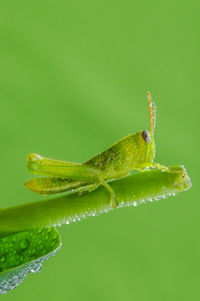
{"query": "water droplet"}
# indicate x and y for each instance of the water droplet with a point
(53, 244)
(55, 236)
(24, 244)
(36, 268)
(3, 258)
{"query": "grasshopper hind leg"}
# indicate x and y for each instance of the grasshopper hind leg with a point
(112, 194)
(87, 188)
(91, 187)
(110, 190)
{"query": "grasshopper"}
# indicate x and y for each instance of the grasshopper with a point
(135, 151)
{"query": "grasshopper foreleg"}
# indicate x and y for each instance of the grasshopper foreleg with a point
(150, 165)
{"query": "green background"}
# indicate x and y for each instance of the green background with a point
(73, 80)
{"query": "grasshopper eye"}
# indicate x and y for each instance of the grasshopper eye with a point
(146, 136)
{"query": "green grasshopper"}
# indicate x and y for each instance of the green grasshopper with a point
(135, 151)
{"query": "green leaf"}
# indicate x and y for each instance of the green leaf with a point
(23, 253)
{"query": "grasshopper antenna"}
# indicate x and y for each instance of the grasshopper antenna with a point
(152, 109)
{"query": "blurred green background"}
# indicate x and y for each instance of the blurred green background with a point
(73, 80)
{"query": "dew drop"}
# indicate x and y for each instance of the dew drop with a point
(36, 268)
(55, 236)
(24, 244)
(3, 258)
(53, 244)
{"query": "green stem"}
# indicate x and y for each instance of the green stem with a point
(131, 190)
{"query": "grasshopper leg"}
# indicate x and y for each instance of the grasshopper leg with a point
(158, 166)
(93, 186)
(87, 188)
(149, 165)
(161, 167)
(111, 191)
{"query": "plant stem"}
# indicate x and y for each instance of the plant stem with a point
(131, 190)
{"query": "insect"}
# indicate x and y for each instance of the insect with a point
(135, 151)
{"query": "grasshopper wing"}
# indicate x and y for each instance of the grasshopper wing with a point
(39, 165)
(52, 185)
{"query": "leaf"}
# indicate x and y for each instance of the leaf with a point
(23, 253)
